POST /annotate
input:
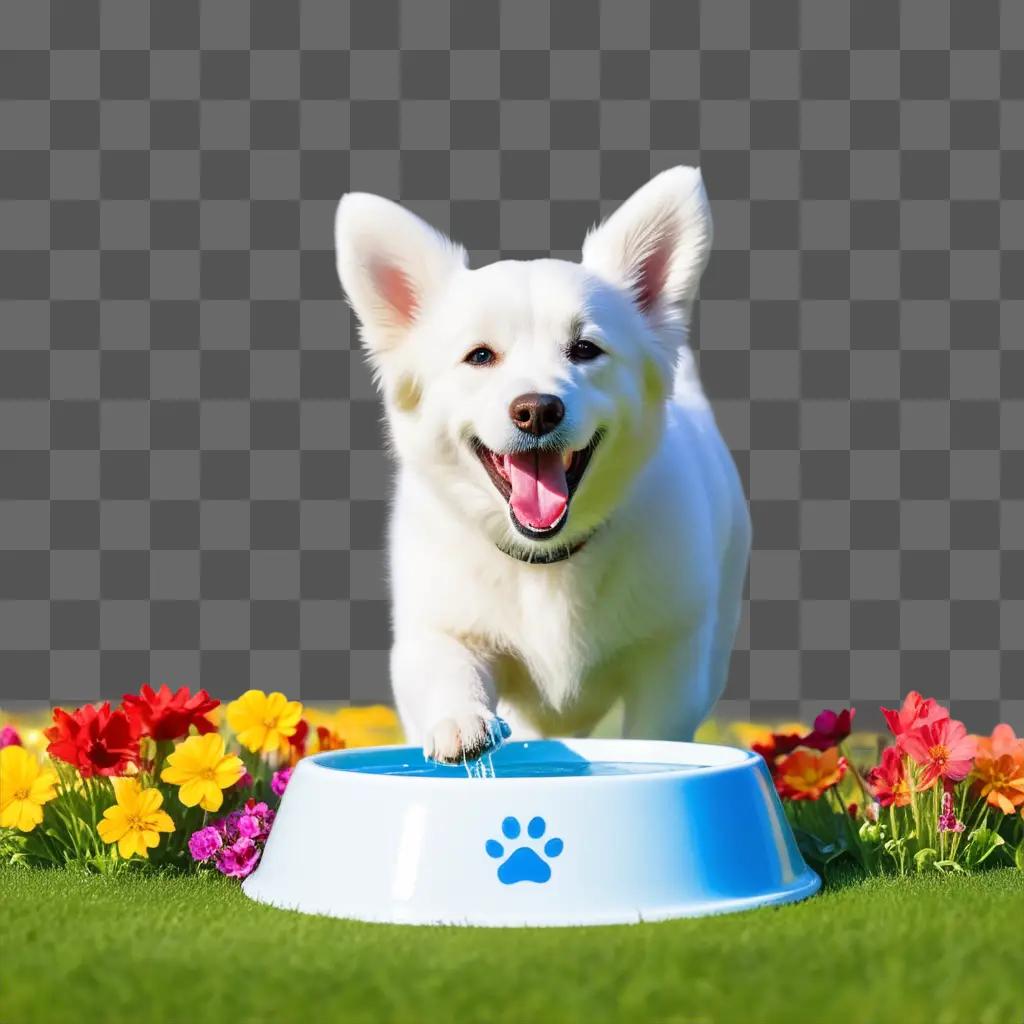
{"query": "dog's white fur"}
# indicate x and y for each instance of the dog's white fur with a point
(647, 610)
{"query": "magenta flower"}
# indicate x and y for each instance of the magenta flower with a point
(204, 843)
(9, 737)
(249, 826)
(254, 821)
(280, 781)
(238, 859)
(830, 729)
(947, 819)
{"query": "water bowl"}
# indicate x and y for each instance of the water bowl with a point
(565, 832)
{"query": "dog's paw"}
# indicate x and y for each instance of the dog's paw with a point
(465, 736)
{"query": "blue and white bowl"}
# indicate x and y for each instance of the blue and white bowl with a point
(568, 832)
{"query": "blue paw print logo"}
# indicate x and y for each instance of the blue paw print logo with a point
(524, 864)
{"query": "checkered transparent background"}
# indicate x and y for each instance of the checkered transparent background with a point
(191, 479)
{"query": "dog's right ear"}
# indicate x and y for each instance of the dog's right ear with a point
(391, 264)
(656, 244)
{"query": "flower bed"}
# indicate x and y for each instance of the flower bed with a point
(165, 780)
(937, 800)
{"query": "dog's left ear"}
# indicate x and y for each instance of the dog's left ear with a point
(657, 243)
(391, 265)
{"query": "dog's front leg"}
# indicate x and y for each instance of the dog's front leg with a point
(445, 696)
(671, 689)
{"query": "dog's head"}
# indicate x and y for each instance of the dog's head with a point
(529, 393)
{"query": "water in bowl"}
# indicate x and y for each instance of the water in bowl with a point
(520, 770)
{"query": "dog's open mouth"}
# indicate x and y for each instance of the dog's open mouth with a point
(537, 484)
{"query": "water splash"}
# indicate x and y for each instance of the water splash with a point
(482, 767)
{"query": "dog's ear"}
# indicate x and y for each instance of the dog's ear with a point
(657, 243)
(391, 264)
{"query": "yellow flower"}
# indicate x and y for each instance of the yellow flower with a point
(135, 821)
(371, 726)
(262, 722)
(24, 787)
(202, 769)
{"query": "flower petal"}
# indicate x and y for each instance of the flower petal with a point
(131, 842)
(229, 771)
(161, 821)
(149, 801)
(192, 791)
(113, 826)
(212, 797)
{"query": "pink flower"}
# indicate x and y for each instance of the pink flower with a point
(915, 712)
(830, 729)
(947, 819)
(238, 859)
(204, 843)
(943, 749)
(280, 781)
(9, 737)
(254, 821)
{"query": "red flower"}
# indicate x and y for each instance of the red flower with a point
(778, 745)
(97, 741)
(888, 782)
(943, 749)
(293, 748)
(830, 729)
(327, 740)
(916, 711)
(164, 715)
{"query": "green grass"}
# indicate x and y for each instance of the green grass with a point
(939, 950)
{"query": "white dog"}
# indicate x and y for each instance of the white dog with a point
(568, 528)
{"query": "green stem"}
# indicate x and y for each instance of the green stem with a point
(854, 839)
(969, 824)
(163, 749)
(864, 795)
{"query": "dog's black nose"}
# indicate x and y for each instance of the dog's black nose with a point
(536, 414)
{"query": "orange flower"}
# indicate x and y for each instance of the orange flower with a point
(1001, 781)
(1002, 741)
(805, 775)
(999, 769)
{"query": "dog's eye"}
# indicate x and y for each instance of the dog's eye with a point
(583, 351)
(480, 356)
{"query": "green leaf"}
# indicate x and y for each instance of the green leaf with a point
(817, 851)
(894, 847)
(926, 858)
(12, 845)
(981, 844)
(1018, 857)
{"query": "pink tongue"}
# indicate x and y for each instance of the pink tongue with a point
(539, 490)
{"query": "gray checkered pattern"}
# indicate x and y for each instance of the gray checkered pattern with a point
(192, 486)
